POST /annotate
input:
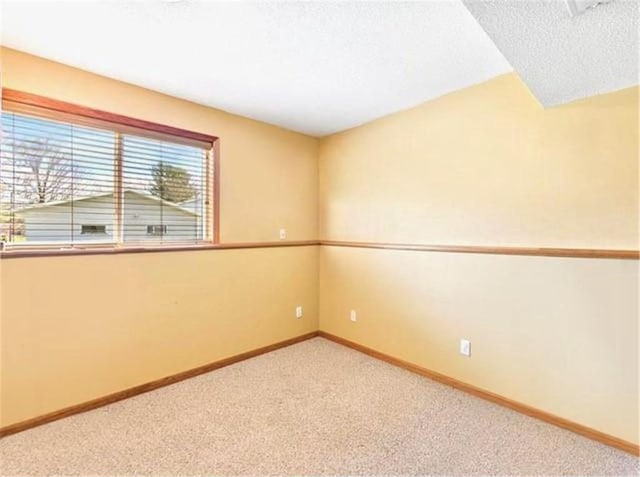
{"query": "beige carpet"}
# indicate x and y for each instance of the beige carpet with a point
(310, 409)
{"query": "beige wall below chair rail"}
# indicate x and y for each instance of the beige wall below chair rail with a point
(79, 328)
(557, 334)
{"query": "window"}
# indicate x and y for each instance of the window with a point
(94, 229)
(156, 229)
(76, 180)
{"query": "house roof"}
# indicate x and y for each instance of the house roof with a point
(106, 194)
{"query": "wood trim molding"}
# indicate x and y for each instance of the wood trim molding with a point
(585, 431)
(462, 386)
(481, 249)
(539, 252)
(150, 386)
(17, 253)
(34, 100)
(216, 191)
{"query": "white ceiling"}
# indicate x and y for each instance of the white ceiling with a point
(316, 68)
(322, 67)
(562, 58)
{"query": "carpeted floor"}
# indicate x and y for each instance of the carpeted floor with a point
(309, 409)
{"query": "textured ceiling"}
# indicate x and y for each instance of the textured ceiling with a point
(316, 67)
(322, 67)
(562, 58)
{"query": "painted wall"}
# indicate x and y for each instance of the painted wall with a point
(483, 166)
(488, 166)
(63, 342)
(81, 327)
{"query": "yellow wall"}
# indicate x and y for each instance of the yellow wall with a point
(77, 328)
(82, 327)
(483, 166)
(488, 166)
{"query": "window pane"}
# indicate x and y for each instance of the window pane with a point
(164, 191)
(94, 229)
(55, 178)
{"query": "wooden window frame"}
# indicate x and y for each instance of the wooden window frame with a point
(20, 102)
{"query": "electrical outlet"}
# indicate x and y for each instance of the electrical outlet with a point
(283, 234)
(465, 347)
(298, 312)
(353, 316)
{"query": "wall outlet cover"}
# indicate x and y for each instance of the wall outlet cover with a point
(465, 347)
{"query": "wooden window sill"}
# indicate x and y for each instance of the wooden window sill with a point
(52, 252)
